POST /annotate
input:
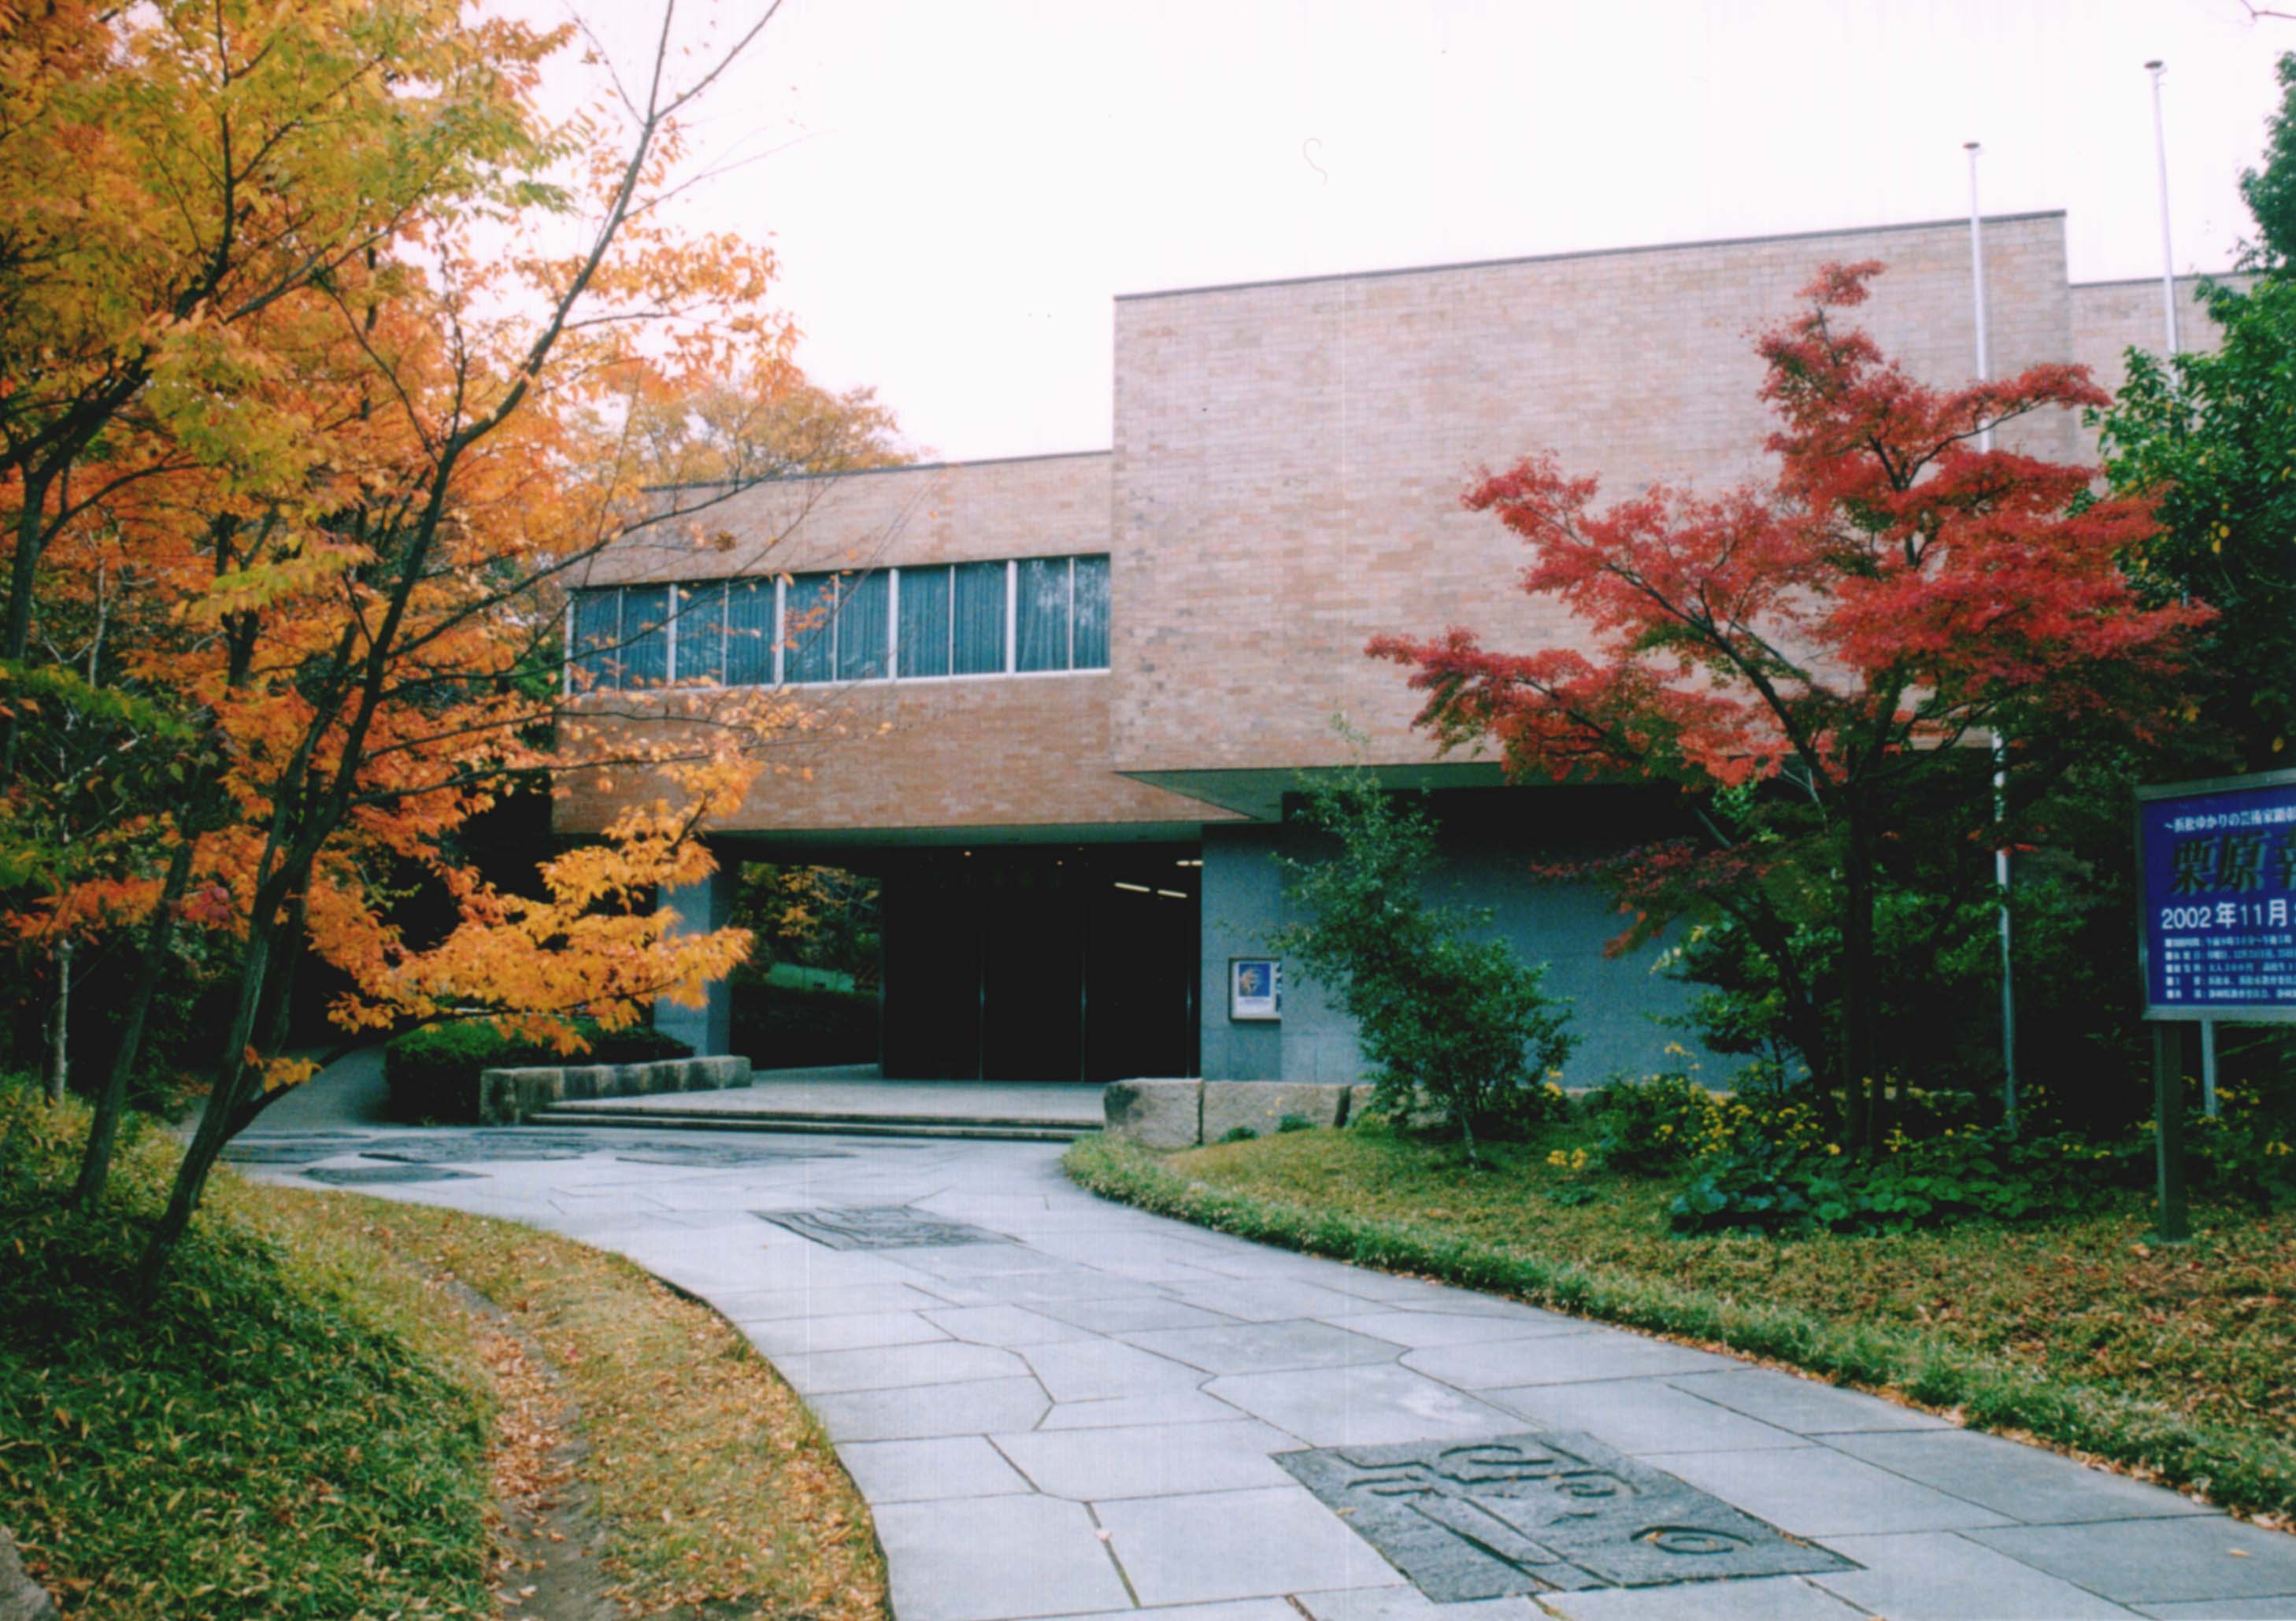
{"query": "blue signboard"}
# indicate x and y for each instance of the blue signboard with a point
(2216, 892)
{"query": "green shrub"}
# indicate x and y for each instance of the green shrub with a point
(432, 1073)
(1295, 1123)
(2245, 1153)
(1643, 1127)
(779, 1027)
(1239, 1134)
(1771, 1184)
(1450, 1023)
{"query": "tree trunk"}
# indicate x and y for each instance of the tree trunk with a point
(1860, 1043)
(223, 1099)
(58, 1066)
(159, 936)
(16, 627)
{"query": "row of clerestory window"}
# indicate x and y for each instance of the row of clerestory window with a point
(1022, 616)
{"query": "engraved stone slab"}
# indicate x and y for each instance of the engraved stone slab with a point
(463, 1147)
(720, 1156)
(300, 1149)
(459, 1148)
(1538, 1513)
(879, 1227)
(362, 1175)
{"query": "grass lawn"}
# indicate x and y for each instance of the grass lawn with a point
(2178, 1363)
(316, 1418)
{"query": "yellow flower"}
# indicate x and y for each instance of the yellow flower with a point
(1834, 1148)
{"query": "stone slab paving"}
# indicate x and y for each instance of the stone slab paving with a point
(1077, 1410)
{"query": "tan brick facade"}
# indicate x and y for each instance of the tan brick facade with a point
(1290, 458)
(2110, 318)
(1284, 484)
(985, 752)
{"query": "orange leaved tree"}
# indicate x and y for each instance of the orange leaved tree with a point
(333, 434)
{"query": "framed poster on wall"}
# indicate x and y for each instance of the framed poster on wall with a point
(1255, 990)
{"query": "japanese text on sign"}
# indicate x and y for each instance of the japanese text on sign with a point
(2217, 862)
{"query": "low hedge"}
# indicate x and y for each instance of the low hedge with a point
(433, 1072)
(778, 1026)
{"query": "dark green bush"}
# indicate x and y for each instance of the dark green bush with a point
(433, 1072)
(1762, 1182)
(1641, 1128)
(1450, 1022)
(2244, 1154)
(777, 1027)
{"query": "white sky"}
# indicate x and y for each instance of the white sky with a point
(957, 188)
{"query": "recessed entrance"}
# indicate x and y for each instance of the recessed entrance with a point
(1039, 964)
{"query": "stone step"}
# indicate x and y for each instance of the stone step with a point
(843, 1126)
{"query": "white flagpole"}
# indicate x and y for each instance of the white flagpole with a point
(2000, 745)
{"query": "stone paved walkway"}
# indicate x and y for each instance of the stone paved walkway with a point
(1077, 1410)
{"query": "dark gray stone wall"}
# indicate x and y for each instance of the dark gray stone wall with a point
(701, 908)
(1485, 864)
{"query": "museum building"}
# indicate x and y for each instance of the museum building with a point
(1071, 695)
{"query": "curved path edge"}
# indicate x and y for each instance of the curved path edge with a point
(1062, 1406)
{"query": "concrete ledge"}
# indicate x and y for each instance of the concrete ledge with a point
(508, 1096)
(1260, 1107)
(1154, 1114)
(1183, 1114)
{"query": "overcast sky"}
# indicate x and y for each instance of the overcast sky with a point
(957, 188)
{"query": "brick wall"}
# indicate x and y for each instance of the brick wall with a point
(1284, 485)
(987, 752)
(2110, 318)
(1018, 751)
(1289, 457)
(945, 512)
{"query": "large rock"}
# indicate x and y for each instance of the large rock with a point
(1154, 1114)
(22, 1599)
(1259, 1107)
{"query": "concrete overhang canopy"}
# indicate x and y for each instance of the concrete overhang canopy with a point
(1258, 791)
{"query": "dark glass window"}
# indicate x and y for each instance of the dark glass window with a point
(597, 629)
(1092, 613)
(863, 601)
(701, 631)
(809, 629)
(922, 646)
(645, 635)
(749, 633)
(1041, 620)
(979, 639)
(1037, 614)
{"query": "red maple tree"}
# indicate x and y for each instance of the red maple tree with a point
(1897, 589)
